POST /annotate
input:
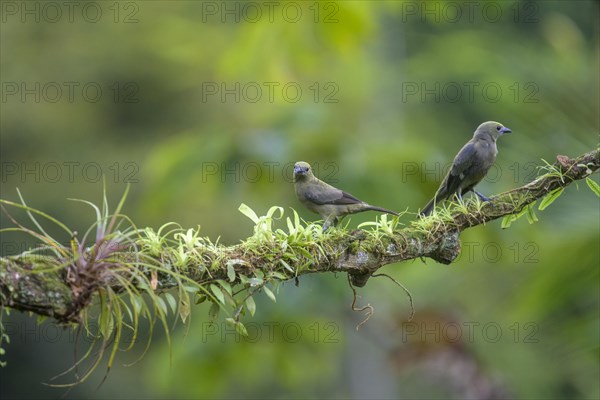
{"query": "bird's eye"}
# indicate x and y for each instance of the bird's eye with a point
(498, 127)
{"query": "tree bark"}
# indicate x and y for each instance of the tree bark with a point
(54, 294)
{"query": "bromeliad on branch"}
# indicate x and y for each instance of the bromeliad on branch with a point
(129, 270)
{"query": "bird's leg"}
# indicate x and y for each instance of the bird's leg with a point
(482, 197)
(330, 221)
(459, 195)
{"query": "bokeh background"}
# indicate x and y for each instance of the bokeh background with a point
(201, 106)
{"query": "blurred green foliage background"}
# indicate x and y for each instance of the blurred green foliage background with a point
(204, 105)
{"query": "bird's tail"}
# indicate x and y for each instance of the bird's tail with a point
(374, 208)
(439, 196)
(428, 208)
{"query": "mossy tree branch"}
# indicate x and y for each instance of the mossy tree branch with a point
(61, 289)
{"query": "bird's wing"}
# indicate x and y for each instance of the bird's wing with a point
(462, 163)
(330, 195)
(347, 198)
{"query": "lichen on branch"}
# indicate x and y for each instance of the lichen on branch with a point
(62, 285)
(129, 270)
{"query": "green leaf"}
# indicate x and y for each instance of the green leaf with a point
(251, 305)
(218, 293)
(163, 306)
(296, 220)
(593, 185)
(255, 281)
(531, 217)
(277, 275)
(248, 212)
(243, 279)
(225, 286)
(549, 199)
(507, 221)
(284, 244)
(191, 289)
(172, 302)
(230, 271)
(290, 226)
(127, 308)
(269, 293)
(118, 330)
(239, 327)
(104, 322)
(273, 210)
(201, 299)
(137, 302)
(286, 266)
(367, 223)
(184, 306)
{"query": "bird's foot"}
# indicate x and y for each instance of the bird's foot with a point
(482, 197)
(327, 225)
(329, 222)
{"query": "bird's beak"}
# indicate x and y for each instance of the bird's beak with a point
(504, 130)
(298, 170)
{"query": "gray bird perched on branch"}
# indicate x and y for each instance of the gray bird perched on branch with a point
(470, 165)
(330, 203)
